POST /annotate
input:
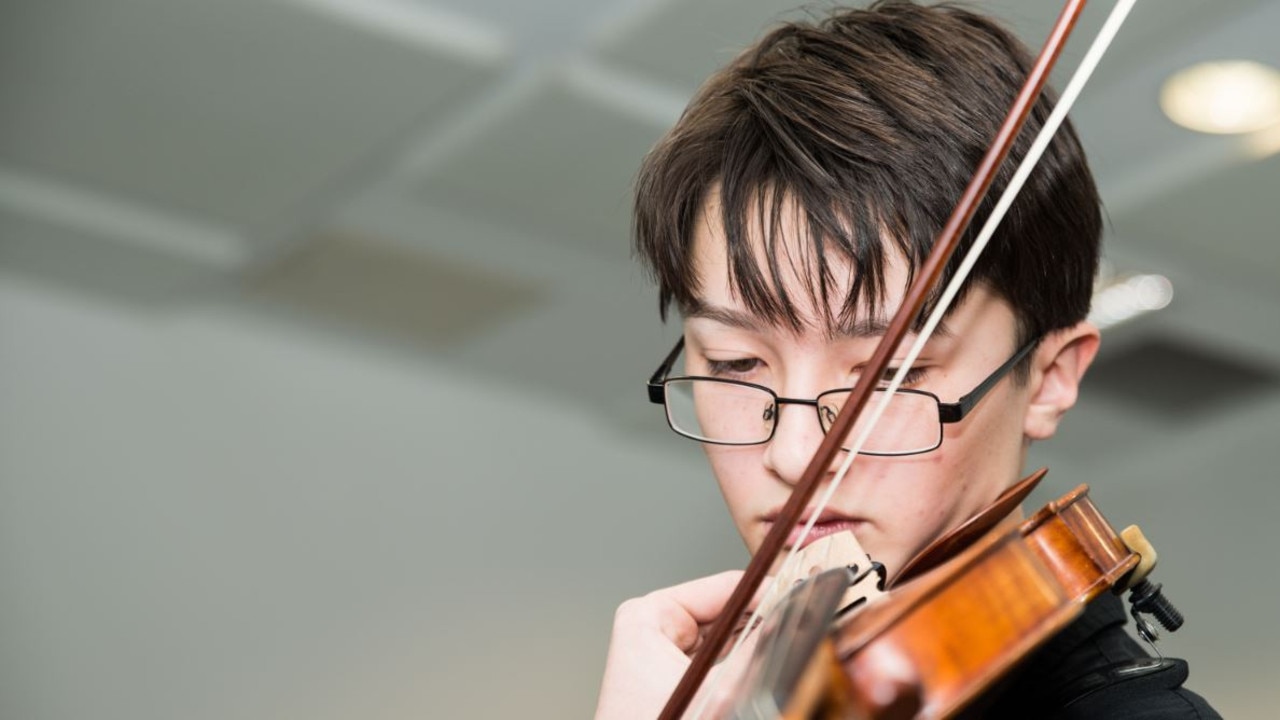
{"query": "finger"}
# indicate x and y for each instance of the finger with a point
(678, 612)
(704, 598)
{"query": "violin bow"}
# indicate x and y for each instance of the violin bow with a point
(916, 296)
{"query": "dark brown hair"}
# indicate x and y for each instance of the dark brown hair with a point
(872, 122)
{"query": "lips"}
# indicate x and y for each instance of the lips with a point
(829, 523)
(821, 530)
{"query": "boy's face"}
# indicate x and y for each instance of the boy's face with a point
(894, 505)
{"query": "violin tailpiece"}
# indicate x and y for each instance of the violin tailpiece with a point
(826, 553)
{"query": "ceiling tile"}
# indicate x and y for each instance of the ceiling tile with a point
(1224, 224)
(1177, 382)
(238, 111)
(682, 43)
(394, 294)
(79, 259)
(559, 164)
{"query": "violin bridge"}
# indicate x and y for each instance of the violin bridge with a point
(833, 551)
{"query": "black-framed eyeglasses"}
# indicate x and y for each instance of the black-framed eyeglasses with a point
(733, 412)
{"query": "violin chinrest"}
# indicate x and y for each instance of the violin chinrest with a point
(975, 527)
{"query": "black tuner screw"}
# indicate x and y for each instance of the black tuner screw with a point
(858, 574)
(1148, 598)
(879, 570)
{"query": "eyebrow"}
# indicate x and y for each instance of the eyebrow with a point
(865, 327)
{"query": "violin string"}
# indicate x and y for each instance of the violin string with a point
(1083, 72)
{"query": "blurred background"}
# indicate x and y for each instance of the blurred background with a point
(321, 352)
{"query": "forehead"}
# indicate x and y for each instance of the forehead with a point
(777, 272)
(979, 312)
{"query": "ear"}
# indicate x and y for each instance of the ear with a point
(1056, 369)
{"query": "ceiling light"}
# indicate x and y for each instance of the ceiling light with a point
(1236, 96)
(1121, 298)
(1263, 143)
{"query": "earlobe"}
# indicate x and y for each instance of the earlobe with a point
(1057, 368)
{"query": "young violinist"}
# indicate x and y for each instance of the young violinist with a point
(783, 217)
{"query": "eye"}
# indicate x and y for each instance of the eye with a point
(732, 368)
(913, 377)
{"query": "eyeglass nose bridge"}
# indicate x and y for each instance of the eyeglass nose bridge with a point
(771, 412)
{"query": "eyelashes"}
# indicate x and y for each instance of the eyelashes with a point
(743, 368)
(913, 377)
(737, 367)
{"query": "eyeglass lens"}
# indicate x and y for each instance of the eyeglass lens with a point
(731, 413)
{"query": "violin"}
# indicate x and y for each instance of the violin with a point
(977, 601)
(960, 615)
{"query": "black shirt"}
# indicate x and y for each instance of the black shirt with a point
(1094, 670)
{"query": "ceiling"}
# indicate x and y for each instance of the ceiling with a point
(452, 179)
(288, 153)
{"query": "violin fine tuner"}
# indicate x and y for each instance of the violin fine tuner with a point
(858, 593)
(1145, 597)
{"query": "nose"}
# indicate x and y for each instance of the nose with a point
(795, 440)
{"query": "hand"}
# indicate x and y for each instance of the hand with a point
(652, 639)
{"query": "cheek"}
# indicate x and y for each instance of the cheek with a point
(980, 461)
(915, 500)
(738, 472)
(744, 487)
(935, 486)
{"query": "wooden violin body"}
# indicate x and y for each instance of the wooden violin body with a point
(935, 642)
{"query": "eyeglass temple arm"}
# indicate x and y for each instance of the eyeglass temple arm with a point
(657, 394)
(955, 412)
